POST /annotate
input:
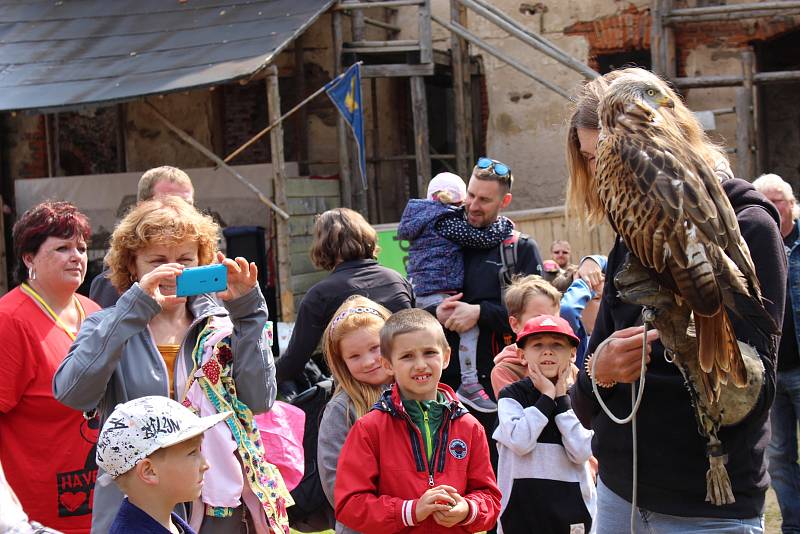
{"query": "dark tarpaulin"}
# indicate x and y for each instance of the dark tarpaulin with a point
(68, 53)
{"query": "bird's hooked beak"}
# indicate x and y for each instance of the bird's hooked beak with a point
(666, 102)
(645, 111)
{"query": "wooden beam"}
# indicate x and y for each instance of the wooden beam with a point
(369, 5)
(301, 119)
(745, 121)
(394, 71)
(197, 145)
(279, 188)
(357, 25)
(345, 177)
(469, 147)
(503, 21)
(477, 41)
(668, 45)
(387, 48)
(379, 44)
(734, 8)
(419, 108)
(374, 193)
(424, 32)
(662, 46)
(725, 17)
(384, 25)
(656, 36)
(760, 78)
(458, 45)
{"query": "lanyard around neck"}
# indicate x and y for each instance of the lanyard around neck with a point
(33, 294)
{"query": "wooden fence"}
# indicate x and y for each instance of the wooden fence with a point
(306, 197)
(546, 225)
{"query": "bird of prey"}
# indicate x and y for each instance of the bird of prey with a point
(666, 203)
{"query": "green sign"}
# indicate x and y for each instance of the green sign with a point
(393, 251)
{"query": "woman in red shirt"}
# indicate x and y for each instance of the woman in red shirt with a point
(46, 449)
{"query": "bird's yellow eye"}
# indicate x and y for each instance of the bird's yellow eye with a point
(650, 92)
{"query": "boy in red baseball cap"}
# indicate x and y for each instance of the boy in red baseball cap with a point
(543, 469)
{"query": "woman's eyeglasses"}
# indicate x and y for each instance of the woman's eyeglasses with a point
(499, 169)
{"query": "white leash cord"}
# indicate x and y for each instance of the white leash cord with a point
(636, 400)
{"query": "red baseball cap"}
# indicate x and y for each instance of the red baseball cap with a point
(547, 324)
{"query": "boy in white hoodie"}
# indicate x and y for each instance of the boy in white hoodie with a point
(543, 469)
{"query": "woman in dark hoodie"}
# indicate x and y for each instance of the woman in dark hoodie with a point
(346, 245)
(672, 461)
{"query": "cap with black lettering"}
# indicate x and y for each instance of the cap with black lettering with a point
(138, 428)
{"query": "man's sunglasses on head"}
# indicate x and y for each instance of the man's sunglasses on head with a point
(499, 169)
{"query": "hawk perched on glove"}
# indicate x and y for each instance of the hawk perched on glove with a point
(666, 203)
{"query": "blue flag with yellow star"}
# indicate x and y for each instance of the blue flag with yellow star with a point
(345, 92)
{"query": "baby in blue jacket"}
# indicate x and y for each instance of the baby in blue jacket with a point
(436, 265)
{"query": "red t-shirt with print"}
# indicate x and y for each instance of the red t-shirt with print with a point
(46, 449)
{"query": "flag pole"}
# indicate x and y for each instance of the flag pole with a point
(266, 130)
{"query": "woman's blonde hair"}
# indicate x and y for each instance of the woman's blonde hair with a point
(342, 234)
(355, 313)
(582, 198)
(166, 220)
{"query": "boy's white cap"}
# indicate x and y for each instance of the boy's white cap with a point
(138, 428)
(447, 181)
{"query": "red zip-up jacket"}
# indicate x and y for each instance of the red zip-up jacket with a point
(382, 470)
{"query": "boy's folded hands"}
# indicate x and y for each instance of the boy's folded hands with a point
(447, 506)
(455, 515)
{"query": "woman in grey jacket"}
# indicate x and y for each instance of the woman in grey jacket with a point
(147, 344)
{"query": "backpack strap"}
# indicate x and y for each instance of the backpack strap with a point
(508, 257)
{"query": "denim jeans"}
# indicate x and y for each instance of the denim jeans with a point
(782, 451)
(614, 517)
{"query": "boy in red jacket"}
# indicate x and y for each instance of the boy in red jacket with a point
(418, 462)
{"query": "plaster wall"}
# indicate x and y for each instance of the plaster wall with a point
(149, 143)
(707, 61)
(526, 125)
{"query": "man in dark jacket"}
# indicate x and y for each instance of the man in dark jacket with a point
(783, 468)
(672, 462)
(481, 301)
(155, 182)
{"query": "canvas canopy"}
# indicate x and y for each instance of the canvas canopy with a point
(72, 53)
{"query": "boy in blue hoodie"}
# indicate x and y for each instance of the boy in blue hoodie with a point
(150, 447)
(436, 265)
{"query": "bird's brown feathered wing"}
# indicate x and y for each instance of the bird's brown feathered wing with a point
(669, 208)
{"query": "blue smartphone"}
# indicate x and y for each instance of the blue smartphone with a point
(205, 279)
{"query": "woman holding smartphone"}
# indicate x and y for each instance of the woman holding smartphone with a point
(194, 349)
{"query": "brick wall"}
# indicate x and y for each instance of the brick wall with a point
(35, 163)
(624, 31)
(87, 141)
(244, 115)
(728, 35)
(630, 30)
